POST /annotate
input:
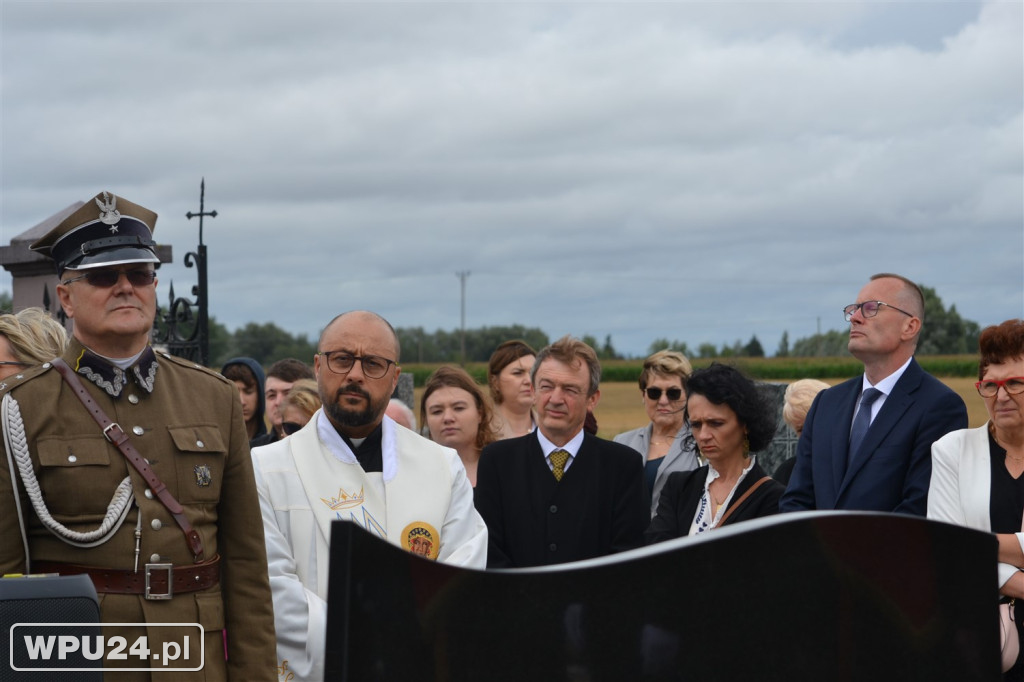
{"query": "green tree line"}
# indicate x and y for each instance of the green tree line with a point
(945, 332)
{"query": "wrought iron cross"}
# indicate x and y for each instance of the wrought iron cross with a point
(190, 215)
(201, 290)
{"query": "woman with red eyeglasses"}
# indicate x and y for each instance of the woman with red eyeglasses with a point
(665, 443)
(978, 474)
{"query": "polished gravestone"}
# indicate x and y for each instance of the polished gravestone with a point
(783, 445)
(808, 596)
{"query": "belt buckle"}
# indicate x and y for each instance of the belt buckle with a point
(170, 581)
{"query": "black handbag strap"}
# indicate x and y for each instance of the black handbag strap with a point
(113, 432)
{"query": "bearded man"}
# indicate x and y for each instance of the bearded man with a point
(351, 462)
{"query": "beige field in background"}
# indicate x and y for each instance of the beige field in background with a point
(620, 408)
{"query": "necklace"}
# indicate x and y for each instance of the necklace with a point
(665, 440)
(714, 498)
(999, 442)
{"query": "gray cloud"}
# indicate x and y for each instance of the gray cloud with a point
(686, 170)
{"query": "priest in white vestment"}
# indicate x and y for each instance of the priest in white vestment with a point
(351, 462)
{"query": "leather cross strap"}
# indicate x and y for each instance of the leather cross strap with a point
(737, 503)
(113, 432)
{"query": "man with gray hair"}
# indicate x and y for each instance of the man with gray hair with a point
(401, 413)
(352, 462)
(560, 494)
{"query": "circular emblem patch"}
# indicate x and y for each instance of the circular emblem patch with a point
(422, 539)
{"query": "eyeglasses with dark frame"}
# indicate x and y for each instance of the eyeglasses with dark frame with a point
(104, 279)
(340, 362)
(869, 309)
(989, 387)
(673, 393)
(15, 363)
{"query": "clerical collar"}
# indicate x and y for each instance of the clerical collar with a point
(108, 374)
(369, 450)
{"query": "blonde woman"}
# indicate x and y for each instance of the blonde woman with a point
(27, 338)
(299, 406)
(796, 403)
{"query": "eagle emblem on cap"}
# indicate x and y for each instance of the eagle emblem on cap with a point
(108, 211)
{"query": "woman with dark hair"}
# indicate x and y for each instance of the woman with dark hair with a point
(978, 474)
(728, 419)
(511, 387)
(457, 414)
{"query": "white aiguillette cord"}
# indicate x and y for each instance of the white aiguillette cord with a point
(113, 432)
(18, 454)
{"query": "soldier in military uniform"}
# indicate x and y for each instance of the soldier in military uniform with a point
(77, 505)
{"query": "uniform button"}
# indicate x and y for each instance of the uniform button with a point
(148, 494)
(200, 444)
(47, 365)
(72, 458)
(155, 559)
(553, 508)
(156, 524)
(133, 399)
(138, 430)
(553, 547)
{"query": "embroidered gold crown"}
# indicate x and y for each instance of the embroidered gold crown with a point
(344, 500)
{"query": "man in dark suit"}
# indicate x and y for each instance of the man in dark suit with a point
(559, 494)
(866, 443)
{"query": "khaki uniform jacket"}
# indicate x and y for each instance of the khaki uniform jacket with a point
(192, 434)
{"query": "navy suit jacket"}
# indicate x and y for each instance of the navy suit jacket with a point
(599, 507)
(892, 471)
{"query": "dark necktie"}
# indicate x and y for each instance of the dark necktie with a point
(558, 459)
(862, 421)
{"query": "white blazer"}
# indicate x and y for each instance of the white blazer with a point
(961, 484)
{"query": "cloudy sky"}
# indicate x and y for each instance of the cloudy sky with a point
(691, 170)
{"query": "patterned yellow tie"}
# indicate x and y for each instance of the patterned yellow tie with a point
(558, 459)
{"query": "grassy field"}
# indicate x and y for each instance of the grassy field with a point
(620, 408)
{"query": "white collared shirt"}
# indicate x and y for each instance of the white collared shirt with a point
(706, 516)
(572, 447)
(885, 386)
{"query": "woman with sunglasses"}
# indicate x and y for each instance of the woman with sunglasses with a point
(730, 421)
(978, 474)
(664, 443)
(29, 337)
(299, 406)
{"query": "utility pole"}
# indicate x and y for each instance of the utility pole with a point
(463, 275)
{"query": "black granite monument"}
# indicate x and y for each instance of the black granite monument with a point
(809, 596)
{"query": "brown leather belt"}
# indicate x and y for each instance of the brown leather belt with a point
(155, 582)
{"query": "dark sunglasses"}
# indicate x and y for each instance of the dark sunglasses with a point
(104, 279)
(673, 394)
(290, 427)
